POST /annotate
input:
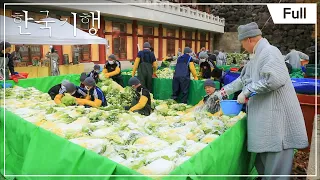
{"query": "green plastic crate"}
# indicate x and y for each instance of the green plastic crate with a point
(311, 70)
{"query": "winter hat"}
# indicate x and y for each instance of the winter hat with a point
(5, 45)
(216, 52)
(83, 76)
(96, 67)
(133, 81)
(210, 83)
(187, 50)
(203, 55)
(112, 56)
(70, 87)
(146, 45)
(65, 82)
(248, 30)
(89, 81)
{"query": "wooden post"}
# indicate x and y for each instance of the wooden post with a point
(209, 44)
(196, 43)
(102, 47)
(160, 41)
(180, 37)
(134, 39)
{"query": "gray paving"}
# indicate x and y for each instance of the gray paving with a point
(312, 158)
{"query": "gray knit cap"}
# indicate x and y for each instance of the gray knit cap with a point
(133, 81)
(65, 82)
(146, 45)
(113, 57)
(70, 87)
(203, 55)
(210, 83)
(248, 30)
(83, 76)
(4, 45)
(187, 50)
(89, 81)
(216, 52)
(96, 67)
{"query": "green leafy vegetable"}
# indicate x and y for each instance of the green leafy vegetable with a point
(68, 100)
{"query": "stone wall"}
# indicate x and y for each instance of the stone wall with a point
(228, 42)
(285, 37)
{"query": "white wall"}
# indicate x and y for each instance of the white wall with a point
(154, 10)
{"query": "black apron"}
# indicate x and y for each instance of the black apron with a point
(146, 110)
(117, 78)
(145, 70)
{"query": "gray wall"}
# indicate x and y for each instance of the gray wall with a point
(285, 37)
(227, 41)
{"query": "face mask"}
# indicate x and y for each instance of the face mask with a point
(97, 71)
(111, 62)
(202, 60)
(87, 88)
(73, 93)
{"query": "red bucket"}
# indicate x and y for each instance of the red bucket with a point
(234, 69)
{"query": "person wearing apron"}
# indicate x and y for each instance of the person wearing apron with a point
(205, 66)
(6, 60)
(141, 103)
(95, 97)
(83, 76)
(112, 70)
(95, 73)
(147, 66)
(181, 77)
(73, 90)
(58, 89)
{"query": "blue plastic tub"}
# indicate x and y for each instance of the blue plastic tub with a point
(230, 107)
(306, 85)
(6, 85)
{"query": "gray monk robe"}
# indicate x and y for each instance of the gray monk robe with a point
(275, 120)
